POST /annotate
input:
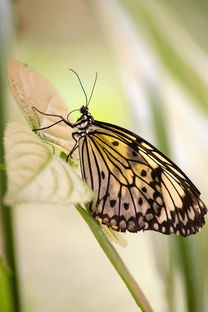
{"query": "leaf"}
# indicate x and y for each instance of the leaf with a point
(30, 90)
(114, 236)
(35, 175)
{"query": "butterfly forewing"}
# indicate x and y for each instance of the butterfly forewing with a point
(136, 187)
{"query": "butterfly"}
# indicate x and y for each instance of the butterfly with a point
(136, 186)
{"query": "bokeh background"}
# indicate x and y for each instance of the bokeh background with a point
(152, 63)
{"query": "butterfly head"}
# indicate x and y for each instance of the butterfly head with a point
(84, 110)
(86, 119)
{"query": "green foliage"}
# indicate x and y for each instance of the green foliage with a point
(6, 300)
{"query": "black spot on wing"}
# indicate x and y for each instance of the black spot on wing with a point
(143, 173)
(140, 201)
(115, 143)
(126, 206)
(112, 202)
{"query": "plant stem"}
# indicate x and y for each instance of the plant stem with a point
(5, 211)
(10, 255)
(116, 261)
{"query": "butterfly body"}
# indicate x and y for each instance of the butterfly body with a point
(136, 187)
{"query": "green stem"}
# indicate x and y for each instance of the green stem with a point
(6, 215)
(116, 261)
(10, 255)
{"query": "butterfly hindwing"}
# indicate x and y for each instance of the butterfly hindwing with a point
(136, 186)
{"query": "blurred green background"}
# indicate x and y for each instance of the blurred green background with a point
(152, 63)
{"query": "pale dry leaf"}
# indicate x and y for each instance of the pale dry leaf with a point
(35, 175)
(30, 89)
(114, 236)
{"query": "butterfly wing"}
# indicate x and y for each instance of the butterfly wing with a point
(136, 186)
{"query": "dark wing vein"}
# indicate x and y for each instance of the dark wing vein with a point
(98, 172)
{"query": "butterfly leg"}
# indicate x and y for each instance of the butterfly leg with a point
(55, 123)
(76, 145)
(43, 128)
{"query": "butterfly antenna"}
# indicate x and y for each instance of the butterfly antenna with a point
(86, 99)
(74, 110)
(93, 87)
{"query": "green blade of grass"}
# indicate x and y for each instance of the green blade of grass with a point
(11, 259)
(9, 292)
(160, 131)
(179, 252)
(6, 302)
(148, 20)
